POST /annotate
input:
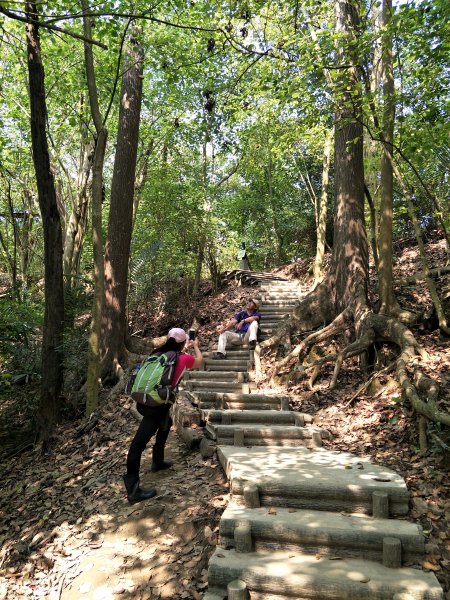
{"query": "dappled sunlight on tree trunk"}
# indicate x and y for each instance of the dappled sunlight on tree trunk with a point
(117, 251)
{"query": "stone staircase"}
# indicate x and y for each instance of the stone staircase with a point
(303, 522)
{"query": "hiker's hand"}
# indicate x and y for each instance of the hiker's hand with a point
(240, 325)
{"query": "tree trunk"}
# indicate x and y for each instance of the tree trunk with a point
(371, 147)
(273, 208)
(26, 242)
(350, 252)
(117, 251)
(52, 358)
(99, 289)
(76, 226)
(202, 239)
(385, 276)
(322, 215)
(97, 241)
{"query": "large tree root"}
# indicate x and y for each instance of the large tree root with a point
(317, 309)
(380, 328)
(340, 323)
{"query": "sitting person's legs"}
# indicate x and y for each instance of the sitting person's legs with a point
(252, 334)
(229, 337)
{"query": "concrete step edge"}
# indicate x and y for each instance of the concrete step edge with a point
(322, 532)
(283, 574)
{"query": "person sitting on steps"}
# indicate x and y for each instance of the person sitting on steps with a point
(241, 329)
(157, 419)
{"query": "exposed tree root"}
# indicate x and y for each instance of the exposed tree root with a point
(143, 345)
(438, 272)
(340, 323)
(368, 328)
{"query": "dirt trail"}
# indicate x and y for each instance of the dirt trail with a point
(83, 541)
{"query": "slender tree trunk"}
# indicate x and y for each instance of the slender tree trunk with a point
(11, 257)
(76, 226)
(120, 222)
(371, 147)
(52, 358)
(97, 242)
(26, 239)
(350, 252)
(373, 225)
(322, 213)
(202, 241)
(385, 276)
(273, 209)
(99, 290)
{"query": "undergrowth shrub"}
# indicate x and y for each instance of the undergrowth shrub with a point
(20, 340)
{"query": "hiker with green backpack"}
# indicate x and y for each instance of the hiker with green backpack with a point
(153, 389)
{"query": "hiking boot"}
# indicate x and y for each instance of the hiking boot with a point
(218, 356)
(134, 492)
(252, 344)
(160, 465)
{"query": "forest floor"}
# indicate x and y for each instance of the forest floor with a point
(67, 531)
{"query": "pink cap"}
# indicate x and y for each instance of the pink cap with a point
(178, 334)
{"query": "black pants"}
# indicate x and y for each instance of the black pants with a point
(156, 419)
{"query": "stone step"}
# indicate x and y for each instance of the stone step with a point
(268, 329)
(316, 479)
(265, 330)
(238, 376)
(276, 311)
(242, 353)
(276, 292)
(274, 417)
(270, 295)
(215, 386)
(274, 319)
(277, 304)
(278, 575)
(261, 405)
(279, 285)
(227, 364)
(274, 295)
(239, 401)
(320, 532)
(255, 434)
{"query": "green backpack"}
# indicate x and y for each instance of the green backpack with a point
(153, 381)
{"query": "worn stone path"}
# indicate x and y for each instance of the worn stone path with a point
(304, 522)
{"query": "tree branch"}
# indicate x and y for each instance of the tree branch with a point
(41, 24)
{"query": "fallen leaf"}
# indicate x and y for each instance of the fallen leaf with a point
(430, 566)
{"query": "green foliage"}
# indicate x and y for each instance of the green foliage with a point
(235, 113)
(142, 276)
(75, 347)
(20, 339)
(77, 299)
